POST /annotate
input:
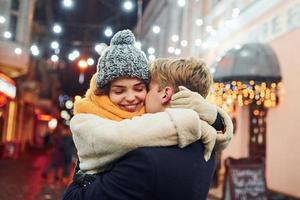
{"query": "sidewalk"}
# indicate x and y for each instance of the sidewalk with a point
(21, 179)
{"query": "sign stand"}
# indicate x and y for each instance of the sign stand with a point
(245, 179)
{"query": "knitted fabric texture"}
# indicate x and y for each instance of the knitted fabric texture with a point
(122, 59)
(102, 106)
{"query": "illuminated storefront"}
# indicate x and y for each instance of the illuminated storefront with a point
(15, 124)
(7, 108)
(268, 128)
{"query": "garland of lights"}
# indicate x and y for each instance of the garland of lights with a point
(227, 94)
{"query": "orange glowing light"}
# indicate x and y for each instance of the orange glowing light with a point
(43, 117)
(82, 64)
(3, 100)
(256, 112)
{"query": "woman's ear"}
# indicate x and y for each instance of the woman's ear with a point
(167, 95)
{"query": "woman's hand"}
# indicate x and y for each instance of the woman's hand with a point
(185, 98)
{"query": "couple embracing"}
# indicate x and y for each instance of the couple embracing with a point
(145, 130)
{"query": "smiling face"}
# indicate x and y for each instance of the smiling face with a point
(128, 93)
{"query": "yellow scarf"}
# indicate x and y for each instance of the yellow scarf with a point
(102, 105)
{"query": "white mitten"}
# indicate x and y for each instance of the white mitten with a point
(208, 138)
(223, 139)
(185, 98)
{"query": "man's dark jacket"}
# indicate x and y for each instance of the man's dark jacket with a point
(152, 173)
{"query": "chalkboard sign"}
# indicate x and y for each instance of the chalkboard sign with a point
(245, 179)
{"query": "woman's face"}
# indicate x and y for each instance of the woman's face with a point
(128, 93)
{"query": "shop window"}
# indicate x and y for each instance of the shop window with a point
(15, 5)
(13, 26)
(14, 14)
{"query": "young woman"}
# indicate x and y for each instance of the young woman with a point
(110, 121)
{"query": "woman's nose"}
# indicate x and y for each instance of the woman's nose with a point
(130, 97)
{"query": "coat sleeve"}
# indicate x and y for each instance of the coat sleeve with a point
(218, 124)
(100, 141)
(223, 139)
(132, 177)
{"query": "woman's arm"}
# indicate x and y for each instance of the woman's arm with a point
(101, 141)
(210, 113)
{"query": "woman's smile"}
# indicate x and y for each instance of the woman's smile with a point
(130, 107)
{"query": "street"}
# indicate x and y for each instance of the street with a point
(21, 179)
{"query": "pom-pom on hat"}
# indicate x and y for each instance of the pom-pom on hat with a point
(122, 59)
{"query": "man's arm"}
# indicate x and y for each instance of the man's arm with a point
(132, 177)
(218, 124)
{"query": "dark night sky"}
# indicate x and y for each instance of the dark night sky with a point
(83, 27)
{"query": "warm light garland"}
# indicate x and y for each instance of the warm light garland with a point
(226, 95)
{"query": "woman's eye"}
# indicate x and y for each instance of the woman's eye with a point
(118, 91)
(139, 89)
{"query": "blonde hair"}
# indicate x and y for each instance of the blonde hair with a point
(189, 72)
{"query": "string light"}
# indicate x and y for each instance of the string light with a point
(54, 58)
(67, 3)
(57, 28)
(100, 47)
(171, 49)
(54, 45)
(227, 94)
(90, 61)
(18, 51)
(151, 57)
(138, 44)
(199, 22)
(52, 124)
(108, 32)
(128, 5)
(235, 12)
(181, 3)
(184, 43)
(151, 50)
(2, 20)
(177, 52)
(34, 50)
(156, 29)
(7, 35)
(71, 57)
(209, 29)
(175, 38)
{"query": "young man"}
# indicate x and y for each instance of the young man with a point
(168, 172)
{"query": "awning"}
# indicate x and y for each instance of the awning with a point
(253, 61)
(7, 86)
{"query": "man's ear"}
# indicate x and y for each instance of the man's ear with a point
(167, 95)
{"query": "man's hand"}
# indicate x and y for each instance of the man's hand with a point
(83, 179)
(185, 98)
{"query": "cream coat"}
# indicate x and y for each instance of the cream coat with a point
(100, 141)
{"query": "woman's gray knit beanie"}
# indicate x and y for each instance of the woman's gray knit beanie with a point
(122, 59)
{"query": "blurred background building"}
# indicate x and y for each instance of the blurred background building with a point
(48, 52)
(17, 94)
(252, 49)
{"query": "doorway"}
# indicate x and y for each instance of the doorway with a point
(257, 130)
